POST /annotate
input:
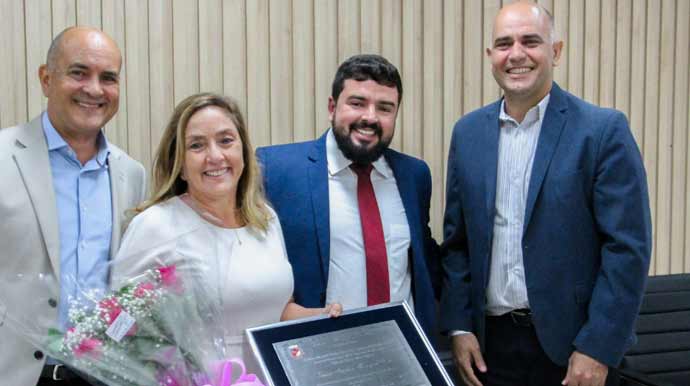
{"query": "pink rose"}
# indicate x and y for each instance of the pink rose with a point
(168, 275)
(88, 346)
(169, 278)
(110, 309)
(143, 289)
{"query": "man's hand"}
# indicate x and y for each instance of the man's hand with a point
(585, 371)
(466, 352)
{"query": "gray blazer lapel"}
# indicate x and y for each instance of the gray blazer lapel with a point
(34, 166)
(118, 194)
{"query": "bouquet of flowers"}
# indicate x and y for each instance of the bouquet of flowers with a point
(161, 327)
(136, 321)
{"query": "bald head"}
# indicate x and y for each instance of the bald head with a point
(81, 79)
(523, 55)
(525, 9)
(78, 33)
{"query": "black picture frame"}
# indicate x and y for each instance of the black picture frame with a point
(262, 339)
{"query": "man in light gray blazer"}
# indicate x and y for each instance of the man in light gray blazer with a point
(65, 190)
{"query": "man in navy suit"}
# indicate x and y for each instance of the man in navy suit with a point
(315, 189)
(547, 224)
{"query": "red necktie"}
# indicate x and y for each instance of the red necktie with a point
(378, 289)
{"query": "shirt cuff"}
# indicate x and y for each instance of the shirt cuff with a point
(457, 332)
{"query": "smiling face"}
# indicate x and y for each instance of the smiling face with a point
(363, 119)
(523, 54)
(213, 161)
(82, 82)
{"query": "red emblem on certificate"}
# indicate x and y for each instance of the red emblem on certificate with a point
(295, 351)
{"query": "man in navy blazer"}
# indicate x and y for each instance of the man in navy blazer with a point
(547, 224)
(314, 193)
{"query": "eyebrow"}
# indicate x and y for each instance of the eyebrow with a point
(532, 36)
(503, 39)
(221, 132)
(387, 103)
(228, 130)
(361, 98)
(357, 97)
(508, 39)
(79, 66)
(111, 74)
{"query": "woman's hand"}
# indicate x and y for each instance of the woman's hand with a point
(333, 310)
(293, 310)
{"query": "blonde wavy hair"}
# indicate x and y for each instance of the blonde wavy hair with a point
(170, 157)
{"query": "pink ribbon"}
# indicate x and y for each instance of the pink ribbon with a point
(244, 378)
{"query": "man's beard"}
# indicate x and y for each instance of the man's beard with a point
(360, 154)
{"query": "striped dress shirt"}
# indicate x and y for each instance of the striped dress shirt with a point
(517, 145)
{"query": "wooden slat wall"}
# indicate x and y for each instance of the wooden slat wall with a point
(278, 58)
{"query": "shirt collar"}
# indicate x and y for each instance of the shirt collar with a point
(56, 142)
(337, 161)
(536, 113)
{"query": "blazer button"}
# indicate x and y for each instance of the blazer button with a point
(52, 302)
(38, 354)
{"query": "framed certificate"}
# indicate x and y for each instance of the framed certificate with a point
(381, 345)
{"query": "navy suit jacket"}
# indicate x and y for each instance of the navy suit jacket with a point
(587, 235)
(296, 183)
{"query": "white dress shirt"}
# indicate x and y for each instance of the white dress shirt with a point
(347, 274)
(517, 145)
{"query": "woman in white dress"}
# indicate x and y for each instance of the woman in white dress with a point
(208, 214)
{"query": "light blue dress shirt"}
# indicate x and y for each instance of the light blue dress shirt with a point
(84, 209)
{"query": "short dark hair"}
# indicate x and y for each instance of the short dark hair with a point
(367, 67)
